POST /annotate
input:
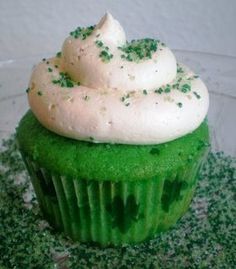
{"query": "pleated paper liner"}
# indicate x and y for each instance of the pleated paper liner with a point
(109, 212)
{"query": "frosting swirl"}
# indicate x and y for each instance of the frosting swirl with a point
(103, 89)
(81, 61)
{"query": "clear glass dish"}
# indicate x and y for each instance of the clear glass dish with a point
(217, 71)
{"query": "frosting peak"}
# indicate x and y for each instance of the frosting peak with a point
(102, 88)
(126, 65)
(110, 31)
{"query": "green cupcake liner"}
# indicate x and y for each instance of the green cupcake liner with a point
(113, 212)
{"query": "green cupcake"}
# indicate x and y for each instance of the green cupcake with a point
(107, 165)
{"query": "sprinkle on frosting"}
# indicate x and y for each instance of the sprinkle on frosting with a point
(105, 55)
(58, 55)
(138, 50)
(65, 81)
(185, 88)
(179, 69)
(82, 32)
(197, 95)
(179, 105)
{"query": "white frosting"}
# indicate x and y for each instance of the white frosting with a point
(110, 104)
(81, 61)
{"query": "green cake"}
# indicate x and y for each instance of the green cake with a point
(111, 194)
(114, 137)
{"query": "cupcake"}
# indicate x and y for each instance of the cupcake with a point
(114, 137)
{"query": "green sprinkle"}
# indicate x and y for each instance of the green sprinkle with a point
(125, 99)
(185, 88)
(91, 138)
(105, 56)
(167, 88)
(145, 92)
(138, 50)
(179, 105)
(82, 32)
(197, 95)
(49, 69)
(58, 55)
(179, 69)
(99, 43)
(175, 86)
(27, 90)
(203, 238)
(160, 91)
(39, 93)
(64, 81)
(44, 59)
(56, 66)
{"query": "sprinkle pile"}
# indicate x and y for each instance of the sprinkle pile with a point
(82, 32)
(204, 238)
(65, 81)
(138, 50)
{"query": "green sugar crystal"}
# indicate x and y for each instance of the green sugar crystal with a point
(204, 238)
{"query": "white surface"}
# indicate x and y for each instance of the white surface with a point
(30, 28)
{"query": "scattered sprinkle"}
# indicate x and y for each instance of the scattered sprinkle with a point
(58, 55)
(159, 90)
(105, 56)
(39, 93)
(82, 32)
(185, 88)
(179, 69)
(49, 69)
(99, 43)
(125, 99)
(179, 105)
(145, 92)
(65, 81)
(167, 88)
(27, 90)
(137, 50)
(197, 95)
(205, 237)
